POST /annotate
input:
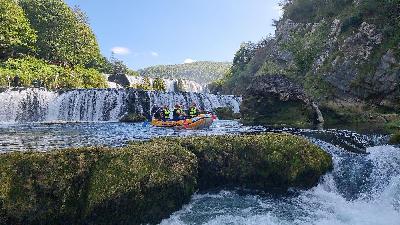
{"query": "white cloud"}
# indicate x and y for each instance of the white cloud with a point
(189, 61)
(154, 54)
(121, 51)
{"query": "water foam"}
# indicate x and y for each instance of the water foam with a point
(369, 198)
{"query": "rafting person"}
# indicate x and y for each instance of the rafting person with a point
(178, 113)
(166, 113)
(157, 112)
(193, 111)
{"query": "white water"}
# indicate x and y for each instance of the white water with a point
(35, 105)
(362, 190)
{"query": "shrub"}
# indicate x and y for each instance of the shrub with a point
(30, 70)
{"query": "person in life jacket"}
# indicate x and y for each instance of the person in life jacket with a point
(193, 111)
(166, 113)
(156, 112)
(178, 113)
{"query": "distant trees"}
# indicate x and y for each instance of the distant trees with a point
(16, 36)
(201, 72)
(159, 84)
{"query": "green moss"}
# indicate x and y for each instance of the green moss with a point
(226, 113)
(132, 118)
(73, 186)
(145, 182)
(395, 138)
(260, 162)
(270, 111)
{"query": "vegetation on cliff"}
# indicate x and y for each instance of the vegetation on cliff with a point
(49, 44)
(145, 182)
(344, 54)
(201, 72)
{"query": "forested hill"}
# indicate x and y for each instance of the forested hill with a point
(202, 72)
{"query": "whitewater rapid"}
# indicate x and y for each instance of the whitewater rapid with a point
(361, 190)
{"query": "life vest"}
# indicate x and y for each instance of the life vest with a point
(167, 113)
(192, 112)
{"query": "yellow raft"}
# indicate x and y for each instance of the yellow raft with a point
(200, 122)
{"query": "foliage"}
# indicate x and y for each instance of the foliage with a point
(145, 85)
(64, 37)
(116, 66)
(16, 36)
(133, 118)
(201, 72)
(30, 70)
(159, 84)
(311, 11)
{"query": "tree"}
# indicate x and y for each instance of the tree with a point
(159, 84)
(64, 36)
(16, 35)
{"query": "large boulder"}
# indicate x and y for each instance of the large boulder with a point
(276, 100)
(145, 182)
(138, 184)
(265, 162)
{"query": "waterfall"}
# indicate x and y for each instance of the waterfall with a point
(92, 105)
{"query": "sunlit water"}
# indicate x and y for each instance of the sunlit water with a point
(44, 136)
(362, 188)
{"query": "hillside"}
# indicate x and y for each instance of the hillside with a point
(201, 72)
(345, 55)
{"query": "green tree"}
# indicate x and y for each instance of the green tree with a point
(16, 35)
(64, 36)
(146, 85)
(159, 84)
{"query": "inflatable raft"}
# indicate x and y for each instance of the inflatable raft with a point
(200, 122)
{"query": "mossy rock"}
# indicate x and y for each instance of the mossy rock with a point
(226, 113)
(262, 162)
(395, 139)
(268, 111)
(145, 182)
(137, 184)
(133, 118)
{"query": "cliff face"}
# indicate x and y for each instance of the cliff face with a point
(344, 54)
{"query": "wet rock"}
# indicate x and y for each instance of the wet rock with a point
(275, 100)
(135, 185)
(120, 79)
(263, 162)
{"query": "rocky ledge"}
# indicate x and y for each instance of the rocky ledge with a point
(145, 182)
(276, 100)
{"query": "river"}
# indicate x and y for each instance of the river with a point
(363, 188)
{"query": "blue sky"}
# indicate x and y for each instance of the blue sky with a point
(153, 32)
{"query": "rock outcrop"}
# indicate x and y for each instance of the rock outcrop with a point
(145, 182)
(275, 100)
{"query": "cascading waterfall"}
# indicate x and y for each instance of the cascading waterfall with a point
(35, 105)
